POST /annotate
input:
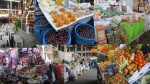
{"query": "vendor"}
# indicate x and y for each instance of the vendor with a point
(72, 74)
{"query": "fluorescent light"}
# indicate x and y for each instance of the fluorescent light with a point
(2, 51)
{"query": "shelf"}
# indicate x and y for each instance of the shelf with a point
(3, 15)
(9, 9)
(13, 0)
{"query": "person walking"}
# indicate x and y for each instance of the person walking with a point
(90, 64)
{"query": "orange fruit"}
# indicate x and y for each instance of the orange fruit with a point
(144, 62)
(136, 62)
(140, 64)
(142, 54)
(140, 60)
(129, 67)
(125, 70)
(139, 57)
(139, 67)
(136, 59)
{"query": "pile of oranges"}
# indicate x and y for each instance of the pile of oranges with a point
(139, 60)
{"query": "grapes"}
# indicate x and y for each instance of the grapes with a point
(86, 32)
(41, 21)
(54, 37)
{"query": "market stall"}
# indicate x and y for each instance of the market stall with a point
(64, 22)
(28, 66)
(126, 64)
(47, 22)
(120, 22)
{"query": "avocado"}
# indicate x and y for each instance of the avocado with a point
(127, 76)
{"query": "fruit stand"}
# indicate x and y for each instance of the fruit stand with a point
(129, 64)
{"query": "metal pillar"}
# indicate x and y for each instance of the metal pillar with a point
(81, 50)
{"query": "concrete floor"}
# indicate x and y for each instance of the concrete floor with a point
(89, 77)
(143, 39)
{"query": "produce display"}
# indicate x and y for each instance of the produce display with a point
(116, 79)
(86, 32)
(63, 16)
(102, 58)
(129, 64)
(54, 37)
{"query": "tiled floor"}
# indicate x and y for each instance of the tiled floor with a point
(89, 77)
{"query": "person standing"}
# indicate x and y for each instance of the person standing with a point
(90, 64)
(72, 74)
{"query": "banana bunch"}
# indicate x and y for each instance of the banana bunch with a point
(123, 65)
(111, 53)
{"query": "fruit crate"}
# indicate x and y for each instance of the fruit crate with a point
(133, 78)
(138, 74)
(144, 69)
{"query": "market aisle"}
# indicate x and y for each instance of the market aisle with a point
(143, 39)
(89, 77)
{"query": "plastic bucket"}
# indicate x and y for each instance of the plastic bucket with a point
(41, 27)
(85, 43)
(44, 42)
(82, 40)
(39, 30)
(136, 29)
(142, 24)
(39, 34)
(129, 31)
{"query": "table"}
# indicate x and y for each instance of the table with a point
(17, 40)
(1, 34)
(2, 43)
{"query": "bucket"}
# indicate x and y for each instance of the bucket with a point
(44, 42)
(39, 34)
(142, 24)
(41, 27)
(39, 30)
(81, 40)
